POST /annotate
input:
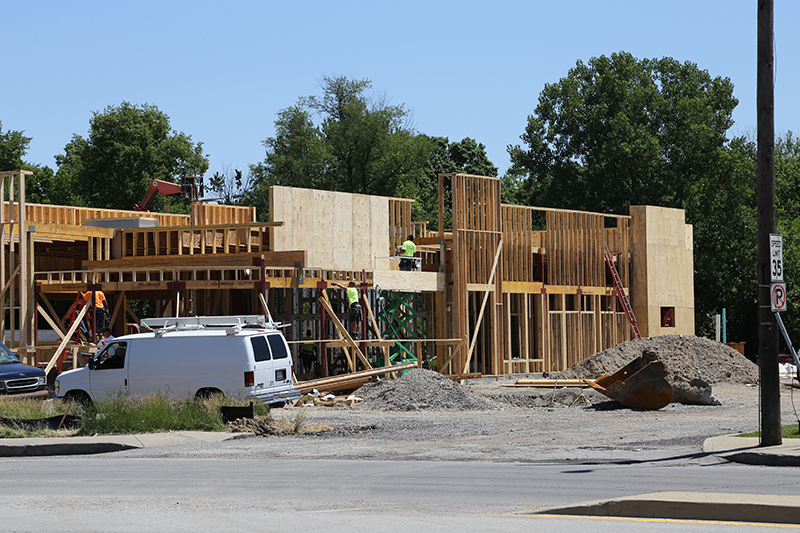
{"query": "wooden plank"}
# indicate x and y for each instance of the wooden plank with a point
(345, 380)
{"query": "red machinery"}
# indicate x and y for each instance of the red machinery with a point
(189, 188)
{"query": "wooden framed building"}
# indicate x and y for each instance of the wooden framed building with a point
(507, 289)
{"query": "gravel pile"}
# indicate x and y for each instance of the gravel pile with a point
(686, 358)
(421, 389)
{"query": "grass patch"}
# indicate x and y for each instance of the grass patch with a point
(31, 409)
(122, 415)
(787, 432)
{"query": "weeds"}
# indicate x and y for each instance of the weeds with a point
(122, 415)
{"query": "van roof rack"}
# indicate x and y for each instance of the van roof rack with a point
(199, 322)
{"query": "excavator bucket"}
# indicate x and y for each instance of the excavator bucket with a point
(641, 384)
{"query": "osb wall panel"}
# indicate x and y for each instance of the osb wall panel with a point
(340, 231)
(662, 250)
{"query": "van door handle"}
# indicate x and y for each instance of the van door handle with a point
(126, 382)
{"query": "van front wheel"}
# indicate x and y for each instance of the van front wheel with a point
(79, 397)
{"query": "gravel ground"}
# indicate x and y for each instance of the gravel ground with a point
(601, 432)
(423, 416)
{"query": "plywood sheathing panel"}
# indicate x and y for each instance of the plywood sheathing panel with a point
(662, 253)
(340, 231)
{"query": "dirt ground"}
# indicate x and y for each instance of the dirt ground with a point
(424, 416)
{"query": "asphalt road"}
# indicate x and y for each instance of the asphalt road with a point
(115, 492)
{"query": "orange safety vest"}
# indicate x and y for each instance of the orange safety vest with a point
(100, 298)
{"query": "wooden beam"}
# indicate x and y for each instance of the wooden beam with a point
(283, 259)
(345, 347)
(343, 332)
(52, 312)
(384, 348)
(50, 321)
(324, 384)
(10, 279)
(117, 307)
(75, 325)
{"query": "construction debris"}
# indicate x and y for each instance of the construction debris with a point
(315, 398)
(262, 426)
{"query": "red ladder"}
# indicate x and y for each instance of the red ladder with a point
(623, 298)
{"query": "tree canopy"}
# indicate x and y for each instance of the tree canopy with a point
(467, 156)
(358, 144)
(128, 147)
(620, 131)
(13, 147)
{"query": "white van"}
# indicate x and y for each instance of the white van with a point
(190, 357)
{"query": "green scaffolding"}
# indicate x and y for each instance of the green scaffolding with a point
(398, 314)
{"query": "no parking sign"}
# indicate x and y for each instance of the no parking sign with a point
(777, 297)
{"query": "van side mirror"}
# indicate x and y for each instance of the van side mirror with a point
(92, 364)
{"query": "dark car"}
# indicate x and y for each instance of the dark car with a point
(19, 379)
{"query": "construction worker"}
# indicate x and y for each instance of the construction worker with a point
(100, 309)
(308, 353)
(107, 337)
(408, 249)
(353, 303)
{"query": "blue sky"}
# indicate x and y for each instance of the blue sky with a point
(222, 70)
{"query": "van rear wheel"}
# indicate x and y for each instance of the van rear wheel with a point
(207, 394)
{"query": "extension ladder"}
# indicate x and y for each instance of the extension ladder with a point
(623, 298)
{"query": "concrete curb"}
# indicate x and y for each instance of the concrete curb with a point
(756, 508)
(45, 446)
(746, 450)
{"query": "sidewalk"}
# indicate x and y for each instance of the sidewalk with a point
(107, 443)
(746, 450)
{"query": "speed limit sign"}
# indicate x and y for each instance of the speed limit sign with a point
(776, 257)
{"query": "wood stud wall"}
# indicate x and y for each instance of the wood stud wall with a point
(539, 318)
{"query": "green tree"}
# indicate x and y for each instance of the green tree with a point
(229, 185)
(13, 147)
(620, 131)
(787, 195)
(359, 144)
(128, 147)
(722, 210)
(466, 156)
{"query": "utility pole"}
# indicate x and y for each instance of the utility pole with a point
(767, 330)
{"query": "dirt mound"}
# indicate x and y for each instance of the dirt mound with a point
(686, 358)
(421, 389)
